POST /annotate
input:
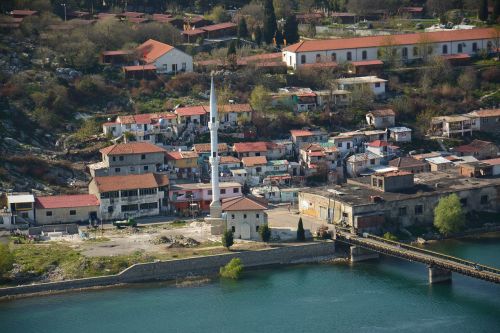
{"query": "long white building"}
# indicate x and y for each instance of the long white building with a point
(405, 46)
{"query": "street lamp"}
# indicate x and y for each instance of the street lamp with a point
(64, 5)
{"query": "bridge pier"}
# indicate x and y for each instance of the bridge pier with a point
(361, 254)
(437, 275)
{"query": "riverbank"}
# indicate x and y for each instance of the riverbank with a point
(182, 268)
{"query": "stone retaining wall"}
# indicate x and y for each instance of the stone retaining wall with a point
(180, 268)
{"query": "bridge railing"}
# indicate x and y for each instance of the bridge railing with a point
(435, 254)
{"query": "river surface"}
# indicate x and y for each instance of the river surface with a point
(388, 295)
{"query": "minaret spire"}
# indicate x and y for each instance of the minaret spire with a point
(213, 126)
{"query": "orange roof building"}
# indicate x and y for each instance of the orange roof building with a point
(442, 43)
(244, 216)
(56, 209)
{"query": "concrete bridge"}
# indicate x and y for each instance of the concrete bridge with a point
(440, 265)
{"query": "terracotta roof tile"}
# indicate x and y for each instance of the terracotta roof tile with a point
(205, 147)
(242, 204)
(192, 110)
(152, 50)
(298, 133)
(130, 182)
(132, 148)
(486, 113)
(219, 26)
(66, 201)
(378, 143)
(253, 161)
(179, 155)
(229, 160)
(247, 147)
(474, 146)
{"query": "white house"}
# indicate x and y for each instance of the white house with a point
(255, 165)
(381, 118)
(404, 46)
(400, 134)
(383, 149)
(360, 162)
(364, 83)
(166, 58)
(244, 216)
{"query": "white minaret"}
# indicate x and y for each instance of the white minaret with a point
(213, 126)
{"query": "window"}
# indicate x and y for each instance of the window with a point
(339, 144)
(372, 161)
(445, 49)
(489, 45)
(129, 208)
(257, 215)
(223, 191)
(147, 191)
(404, 52)
(429, 49)
(318, 57)
(474, 47)
(233, 229)
(117, 170)
(484, 200)
(345, 215)
(377, 85)
(146, 168)
(72, 212)
(146, 137)
(374, 182)
(110, 209)
(415, 51)
(334, 57)
(349, 55)
(419, 210)
(364, 55)
(257, 228)
(232, 216)
(381, 183)
(128, 193)
(143, 156)
(113, 194)
(174, 68)
(258, 169)
(244, 216)
(460, 48)
(402, 211)
(463, 202)
(183, 66)
(114, 158)
(48, 213)
(236, 190)
(209, 192)
(120, 158)
(348, 145)
(303, 59)
(149, 205)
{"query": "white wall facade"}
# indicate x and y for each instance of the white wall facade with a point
(174, 58)
(245, 223)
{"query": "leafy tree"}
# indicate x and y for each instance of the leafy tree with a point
(6, 259)
(258, 36)
(265, 232)
(242, 28)
(232, 270)
(270, 25)
(218, 15)
(301, 234)
(482, 13)
(467, 81)
(449, 216)
(291, 30)
(260, 99)
(227, 239)
(390, 236)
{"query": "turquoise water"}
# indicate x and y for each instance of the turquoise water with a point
(381, 296)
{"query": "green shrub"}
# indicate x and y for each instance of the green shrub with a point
(232, 270)
(301, 234)
(390, 236)
(6, 259)
(265, 233)
(227, 239)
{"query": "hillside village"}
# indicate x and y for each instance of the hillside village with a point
(360, 119)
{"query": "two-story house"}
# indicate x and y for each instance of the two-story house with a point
(358, 163)
(130, 196)
(234, 114)
(255, 165)
(128, 158)
(249, 149)
(381, 118)
(183, 164)
(383, 149)
(305, 136)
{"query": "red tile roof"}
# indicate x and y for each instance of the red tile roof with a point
(486, 113)
(367, 63)
(132, 148)
(193, 32)
(23, 12)
(474, 146)
(377, 41)
(298, 133)
(247, 147)
(145, 118)
(130, 182)
(493, 161)
(179, 155)
(229, 160)
(242, 204)
(205, 147)
(192, 111)
(219, 26)
(378, 143)
(152, 50)
(253, 161)
(66, 201)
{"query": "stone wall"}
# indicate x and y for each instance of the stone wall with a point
(174, 269)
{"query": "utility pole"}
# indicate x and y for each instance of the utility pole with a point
(64, 5)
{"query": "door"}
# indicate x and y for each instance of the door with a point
(245, 231)
(323, 213)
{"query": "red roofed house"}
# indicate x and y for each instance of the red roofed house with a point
(486, 120)
(56, 209)
(130, 196)
(155, 128)
(248, 149)
(166, 58)
(234, 114)
(312, 155)
(479, 149)
(192, 115)
(226, 29)
(255, 165)
(407, 46)
(244, 216)
(22, 13)
(301, 137)
(129, 158)
(384, 149)
(183, 164)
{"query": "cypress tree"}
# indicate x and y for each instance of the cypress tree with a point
(242, 28)
(227, 239)
(265, 232)
(270, 25)
(496, 9)
(258, 36)
(483, 10)
(291, 30)
(301, 234)
(278, 37)
(231, 49)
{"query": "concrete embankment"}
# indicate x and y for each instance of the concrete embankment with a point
(181, 268)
